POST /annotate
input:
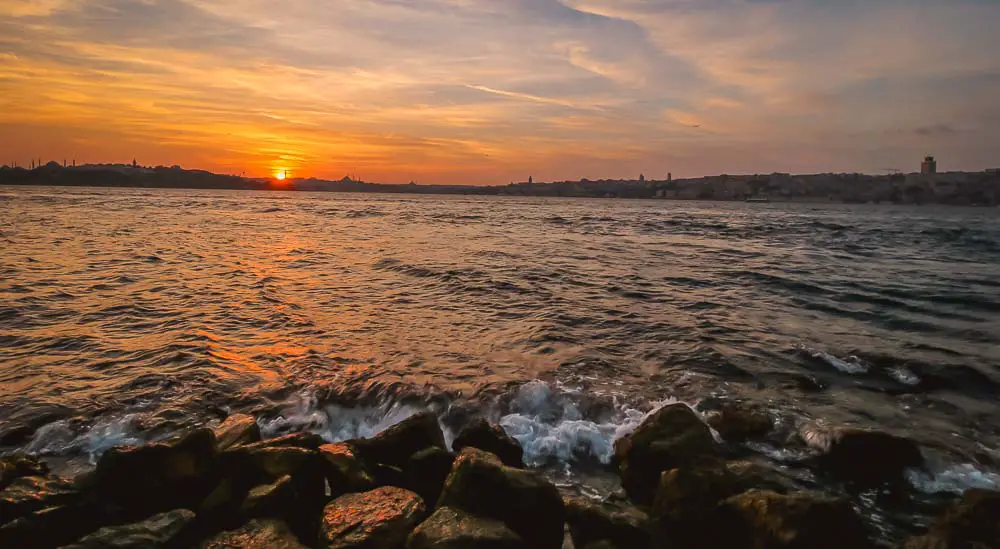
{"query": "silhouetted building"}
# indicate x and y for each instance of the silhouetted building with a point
(929, 166)
(642, 178)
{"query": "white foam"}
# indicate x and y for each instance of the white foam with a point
(849, 365)
(550, 427)
(904, 375)
(59, 438)
(953, 479)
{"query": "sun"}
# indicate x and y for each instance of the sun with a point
(280, 176)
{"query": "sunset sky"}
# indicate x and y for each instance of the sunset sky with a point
(489, 91)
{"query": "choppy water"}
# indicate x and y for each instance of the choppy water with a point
(127, 314)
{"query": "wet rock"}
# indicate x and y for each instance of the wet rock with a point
(157, 477)
(523, 500)
(54, 526)
(767, 520)
(14, 467)
(740, 422)
(22, 422)
(750, 474)
(379, 519)
(397, 443)
(426, 472)
(451, 528)
(674, 436)
(256, 534)
(273, 499)
(235, 430)
(590, 522)
(491, 438)
(308, 441)
(972, 523)
(163, 530)
(345, 468)
(686, 511)
(29, 494)
(605, 544)
(869, 458)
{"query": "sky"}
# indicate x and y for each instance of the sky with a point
(493, 91)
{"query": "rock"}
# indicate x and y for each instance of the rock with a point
(29, 494)
(674, 436)
(158, 477)
(750, 474)
(397, 443)
(869, 458)
(972, 523)
(740, 422)
(451, 528)
(270, 500)
(308, 441)
(426, 472)
(523, 500)
(686, 510)
(235, 430)
(604, 544)
(54, 526)
(379, 519)
(256, 534)
(769, 520)
(14, 467)
(345, 468)
(590, 522)
(163, 530)
(491, 438)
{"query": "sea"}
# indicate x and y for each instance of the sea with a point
(130, 315)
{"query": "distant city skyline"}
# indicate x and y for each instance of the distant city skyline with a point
(486, 92)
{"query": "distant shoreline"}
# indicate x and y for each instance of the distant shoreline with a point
(981, 189)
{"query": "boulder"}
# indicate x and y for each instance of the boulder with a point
(686, 511)
(163, 530)
(767, 520)
(256, 534)
(29, 494)
(740, 422)
(523, 500)
(235, 430)
(379, 519)
(14, 467)
(673, 436)
(345, 469)
(450, 528)
(491, 438)
(158, 477)
(604, 544)
(396, 444)
(426, 472)
(972, 523)
(868, 458)
(590, 522)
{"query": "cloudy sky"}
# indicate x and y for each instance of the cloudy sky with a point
(489, 91)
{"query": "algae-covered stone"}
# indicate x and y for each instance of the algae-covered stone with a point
(673, 436)
(491, 438)
(256, 534)
(450, 528)
(972, 523)
(379, 519)
(163, 530)
(801, 521)
(523, 500)
(590, 522)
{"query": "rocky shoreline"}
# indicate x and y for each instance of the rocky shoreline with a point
(683, 489)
